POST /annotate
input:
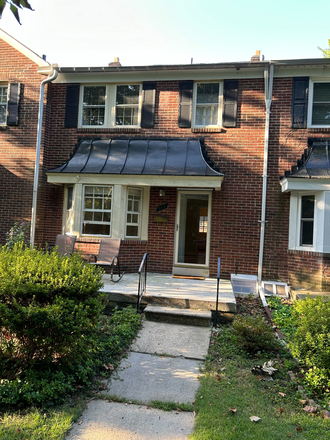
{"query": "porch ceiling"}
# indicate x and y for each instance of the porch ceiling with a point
(154, 162)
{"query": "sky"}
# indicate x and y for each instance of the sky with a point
(76, 33)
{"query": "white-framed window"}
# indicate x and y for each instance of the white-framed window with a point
(127, 105)
(96, 210)
(93, 105)
(310, 218)
(133, 213)
(110, 105)
(307, 203)
(319, 103)
(207, 104)
(3, 103)
(69, 210)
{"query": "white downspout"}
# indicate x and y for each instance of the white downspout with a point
(268, 75)
(50, 78)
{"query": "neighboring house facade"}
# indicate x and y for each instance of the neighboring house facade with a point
(19, 103)
(171, 159)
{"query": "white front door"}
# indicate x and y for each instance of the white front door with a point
(192, 233)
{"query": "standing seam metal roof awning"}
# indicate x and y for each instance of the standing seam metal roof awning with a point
(314, 166)
(139, 157)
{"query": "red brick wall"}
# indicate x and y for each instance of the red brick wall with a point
(18, 143)
(238, 152)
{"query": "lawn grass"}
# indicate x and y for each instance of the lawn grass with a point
(53, 423)
(230, 394)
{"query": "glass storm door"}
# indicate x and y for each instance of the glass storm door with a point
(192, 228)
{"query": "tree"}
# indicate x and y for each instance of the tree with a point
(14, 6)
(326, 52)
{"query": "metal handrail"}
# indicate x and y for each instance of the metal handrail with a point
(142, 280)
(216, 319)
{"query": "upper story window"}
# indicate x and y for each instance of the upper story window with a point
(319, 104)
(110, 105)
(93, 105)
(207, 98)
(3, 104)
(127, 105)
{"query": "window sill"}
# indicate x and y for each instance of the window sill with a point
(319, 129)
(3, 127)
(207, 130)
(108, 129)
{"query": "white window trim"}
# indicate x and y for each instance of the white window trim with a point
(4, 124)
(104, 210)
(118, 211)
(139, 106)
(220, 104)
(110, 106)
(81, 100)
(140, 214)
(310, 101)
(321, 236)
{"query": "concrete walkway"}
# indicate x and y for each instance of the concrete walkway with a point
(163, 365)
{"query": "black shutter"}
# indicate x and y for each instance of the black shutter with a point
(230, 91)
(13, 101)
(299, 102)
(148, 104)
(72, 105)
(185, 104)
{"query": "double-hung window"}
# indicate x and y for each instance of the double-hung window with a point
(3, 104)
(133, 215)
(207, 104)
(110, 105)
(307, 220)
(127, 105)
(319, 105)
(93, 105)
(96, 212)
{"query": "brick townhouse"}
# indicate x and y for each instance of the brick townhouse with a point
(186, 162)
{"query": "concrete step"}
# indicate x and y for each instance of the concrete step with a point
(178, 316)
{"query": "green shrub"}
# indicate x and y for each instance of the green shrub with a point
(310, 342)
(282, 315)
(47, 302)
(253, 334)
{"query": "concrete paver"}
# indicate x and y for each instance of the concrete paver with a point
(116, 421)
(144, 377)
(174, 340)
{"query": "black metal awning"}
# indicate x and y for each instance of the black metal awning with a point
(167, 157)
(315, 162)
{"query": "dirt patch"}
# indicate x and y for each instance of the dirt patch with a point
(251, 307)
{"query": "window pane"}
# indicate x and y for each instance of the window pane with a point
(321, 92)
(321, 114)
(94, 95)
(208, 93)
(307, 207)
(107, 203)
(98, 203)
(88, 215)
(132, 231)
(88, 203)
(3, 114)
(307, 232)
(93, 116)
(95, 229)
(69, 201)
(135, 218)
(128, 94)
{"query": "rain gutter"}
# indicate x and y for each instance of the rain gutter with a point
(268, 76)
(52, 75)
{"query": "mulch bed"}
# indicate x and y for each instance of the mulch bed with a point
(251, 307)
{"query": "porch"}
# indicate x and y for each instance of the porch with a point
(166, 291)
